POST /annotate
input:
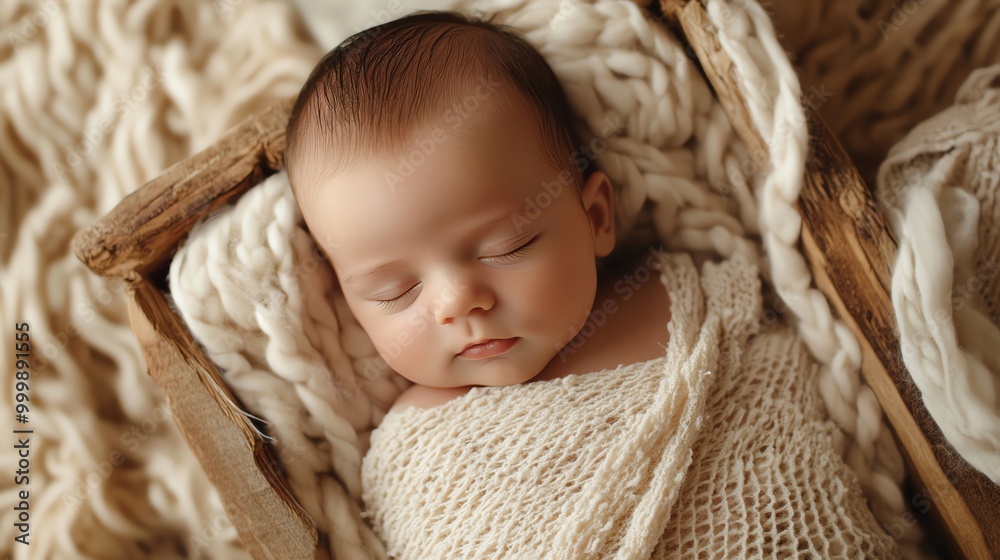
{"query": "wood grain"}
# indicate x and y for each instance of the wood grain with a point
(851, 250)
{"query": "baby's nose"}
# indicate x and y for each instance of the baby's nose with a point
(459, 297)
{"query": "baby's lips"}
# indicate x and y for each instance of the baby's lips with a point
(481, 341)
(489, 347)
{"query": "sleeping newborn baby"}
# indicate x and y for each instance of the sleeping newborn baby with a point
(436, 165)
(563, 406)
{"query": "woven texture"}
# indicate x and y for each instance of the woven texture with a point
(717, 449)
(874, 70)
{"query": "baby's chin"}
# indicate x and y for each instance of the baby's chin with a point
(493, 372)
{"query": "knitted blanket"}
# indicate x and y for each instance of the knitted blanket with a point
(718, 447)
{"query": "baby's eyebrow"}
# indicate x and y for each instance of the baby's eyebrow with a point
(358, 275)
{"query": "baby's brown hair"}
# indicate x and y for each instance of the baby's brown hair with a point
(379, 87)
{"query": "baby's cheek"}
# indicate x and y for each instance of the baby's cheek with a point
(419, 320)
(403, 342)
(382, 335)
(558, 296)
(576, 285)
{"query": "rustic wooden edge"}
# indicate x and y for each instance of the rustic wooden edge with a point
(260, 506)
(142, 232)
(133, 242)
(851, 251)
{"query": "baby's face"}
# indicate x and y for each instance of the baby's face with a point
(477, 241)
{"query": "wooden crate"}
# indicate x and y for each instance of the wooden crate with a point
(843, 231)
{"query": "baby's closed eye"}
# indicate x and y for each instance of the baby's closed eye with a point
(516, 253)
(392, 302)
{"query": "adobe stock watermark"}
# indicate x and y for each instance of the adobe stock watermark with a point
(459, 113)
(625, 287)
(281, 457)
(582, 158)
(216, 527)
(132, 439)
(226, 9)
(898, 17)
(757, 159)
(893, 193)
(393, 10)
(921, 501)
(962, 294)
(86, 312)
(94, 136)
(29, 26)
(419, 322)
(366, 369)
(563, 11)
(248, 327)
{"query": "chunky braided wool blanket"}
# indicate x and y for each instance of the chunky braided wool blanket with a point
(97, 97)
(718, 449)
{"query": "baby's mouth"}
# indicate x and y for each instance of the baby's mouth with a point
(488, 348)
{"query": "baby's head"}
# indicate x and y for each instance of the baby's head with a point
(435, 164)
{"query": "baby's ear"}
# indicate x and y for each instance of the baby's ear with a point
(598, 199)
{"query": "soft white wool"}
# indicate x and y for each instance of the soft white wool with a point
(717, 449)
(942, 185)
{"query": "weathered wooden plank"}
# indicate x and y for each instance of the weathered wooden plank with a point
(258, 502)
(851, 252)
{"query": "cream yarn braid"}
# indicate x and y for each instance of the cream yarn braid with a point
(254, 291)
(97, 97)
(771, 90)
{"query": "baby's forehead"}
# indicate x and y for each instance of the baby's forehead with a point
(368, 212)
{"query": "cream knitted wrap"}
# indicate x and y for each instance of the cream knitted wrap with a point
(715, 447)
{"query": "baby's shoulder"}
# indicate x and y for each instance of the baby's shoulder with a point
(420, 396)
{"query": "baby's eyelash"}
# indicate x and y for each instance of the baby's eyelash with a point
(513, 255)
(503, 259)
(390, 303)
